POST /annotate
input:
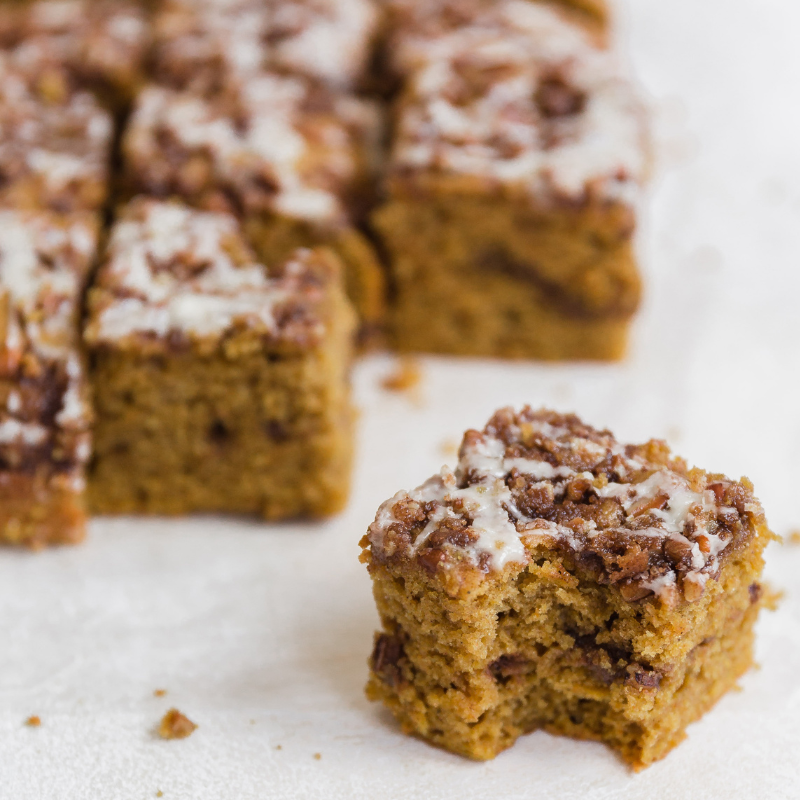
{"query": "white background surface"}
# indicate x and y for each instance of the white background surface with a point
(260, 633)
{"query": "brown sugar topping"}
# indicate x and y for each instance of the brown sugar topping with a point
(515, 95)
(174, 274)
(56, 139)
(629, 515)
(175, 725)
(280, 146)
(44, 414)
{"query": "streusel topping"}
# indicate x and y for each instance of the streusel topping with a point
(54, 139)
(631, 515)
(281, 148)
(216, 46)
(44, 263)
(174, 272)
(517, 95)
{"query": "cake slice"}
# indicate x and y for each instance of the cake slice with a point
(44, 414)
(558, 579)
(292, 160)
(219, 385)
(516, 164)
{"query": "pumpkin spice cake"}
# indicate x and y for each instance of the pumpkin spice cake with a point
(218, 385)
(517, 156)
(44, 413)
(558, 579)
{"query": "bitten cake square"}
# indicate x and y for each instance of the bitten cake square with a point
(44, 415)
(558, 579)
(516, 163)
(218, 385)
(292, 160)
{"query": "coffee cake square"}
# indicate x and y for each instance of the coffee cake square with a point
(516, 162)
(44, 413)
(56, 138)
(560, 580)
(219, 385)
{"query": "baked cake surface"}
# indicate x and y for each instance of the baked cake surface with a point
(558, 579)
(56, 138)
(219, 385)
(215, 46)
(517, 159)
(44, 412)
(102, 43)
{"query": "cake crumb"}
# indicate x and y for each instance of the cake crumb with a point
(33, 722)
(317, 756)
(793, 537)
(279, 747)
(159, 793)
(405, 377)
(175, 725)
(159, 692)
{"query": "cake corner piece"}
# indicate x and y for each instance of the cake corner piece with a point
(560, 580)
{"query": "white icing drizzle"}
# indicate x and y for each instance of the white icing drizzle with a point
(325, 39)
(498, 132)
(145, 246)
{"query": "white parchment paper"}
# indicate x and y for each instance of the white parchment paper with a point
(260, 633)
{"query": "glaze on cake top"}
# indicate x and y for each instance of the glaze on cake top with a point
(533, 481)
(283, 148)
(173, 275)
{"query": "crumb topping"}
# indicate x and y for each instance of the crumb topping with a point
(175, 273)
(533, 481)
(44, 413)
(53, 138)
(513, 93)
(282, 149)
(175, 725)
(325, 39)
(216, 46)
(97, 40)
